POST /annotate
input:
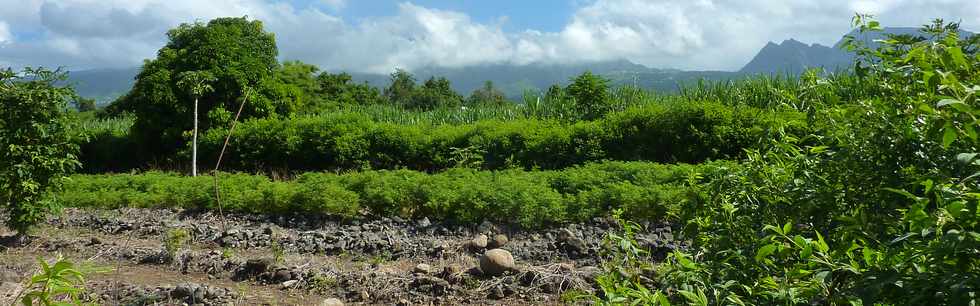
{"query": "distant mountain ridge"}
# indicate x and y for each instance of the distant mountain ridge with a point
(793, 57)
(103, 85)
(789, 57)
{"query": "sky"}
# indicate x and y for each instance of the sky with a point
(381, 35)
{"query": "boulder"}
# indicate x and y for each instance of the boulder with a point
(496, 262)
(498, 241)
(479, 242)
(572, 242)
(258, 266)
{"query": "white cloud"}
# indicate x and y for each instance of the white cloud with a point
(688, 34)
(5, 34)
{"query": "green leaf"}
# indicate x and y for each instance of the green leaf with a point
(807, 251)
(821, 244)
(945, 102)
(787, 227)
(949, 135)
(966, 158)
(905, 193)
(765, 251)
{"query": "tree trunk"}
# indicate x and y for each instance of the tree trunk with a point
(194, 149)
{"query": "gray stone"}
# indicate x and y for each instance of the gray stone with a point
(486, 227)
(574, 244)
(282, 276)
(423, 268)
(479, 242)
(497, 262)
(498, 241)
(257, 266)
(199, 294)
(289, 283)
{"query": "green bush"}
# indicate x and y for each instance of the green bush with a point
(682, 132)
(527, 198)
(878, 208)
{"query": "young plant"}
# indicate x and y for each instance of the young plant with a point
(174, 240)
(626, 270)
(197, 84)
(59, 284)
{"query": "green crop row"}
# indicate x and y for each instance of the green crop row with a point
(665, 133)
(528, 198)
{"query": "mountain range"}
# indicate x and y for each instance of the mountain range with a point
(789, 57)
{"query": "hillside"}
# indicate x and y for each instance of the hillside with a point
(793, 57)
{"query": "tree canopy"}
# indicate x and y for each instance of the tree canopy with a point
(235, 52)
(590, 94)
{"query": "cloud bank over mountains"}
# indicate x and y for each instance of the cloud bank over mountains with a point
(683, 34)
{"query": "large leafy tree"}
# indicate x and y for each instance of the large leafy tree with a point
(590, 92)
(318, 91)
(435, 92)
(38, 147)
(487, 95)
(236, 52)
(402, 86)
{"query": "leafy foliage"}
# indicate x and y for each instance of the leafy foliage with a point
(590, 92)
(681, 132)
(57, 284)
(38, 144)
(235, 52)
(876, 206)
(529, 198)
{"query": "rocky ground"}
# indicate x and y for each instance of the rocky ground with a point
(166, 257)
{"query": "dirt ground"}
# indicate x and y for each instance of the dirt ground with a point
(299, 260)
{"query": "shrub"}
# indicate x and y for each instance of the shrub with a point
(527, 198)
(37, 144)
(687, 133)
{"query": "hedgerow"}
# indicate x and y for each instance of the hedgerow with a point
(676, 132)
(528, 198)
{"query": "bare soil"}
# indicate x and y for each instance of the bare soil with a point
(301, 260)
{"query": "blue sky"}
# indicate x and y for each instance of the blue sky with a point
(544, 15)
(381, 35)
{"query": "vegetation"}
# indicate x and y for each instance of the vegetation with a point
(174, 240)
(529, 198)
(38, 145)
(854, 188)
(234, 52)
(878, 208)
(61, 283)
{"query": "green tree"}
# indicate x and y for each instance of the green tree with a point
(435, 92)
(488, 94)
(237, 52)
(590, 92)
(341, 90)
(401, 89)
(85, 104)
(38, 145)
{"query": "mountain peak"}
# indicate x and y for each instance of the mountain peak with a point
(793, 57)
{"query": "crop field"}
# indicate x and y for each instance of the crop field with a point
(292, 187)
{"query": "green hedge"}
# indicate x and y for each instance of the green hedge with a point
(661, 132)
(529, 198)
